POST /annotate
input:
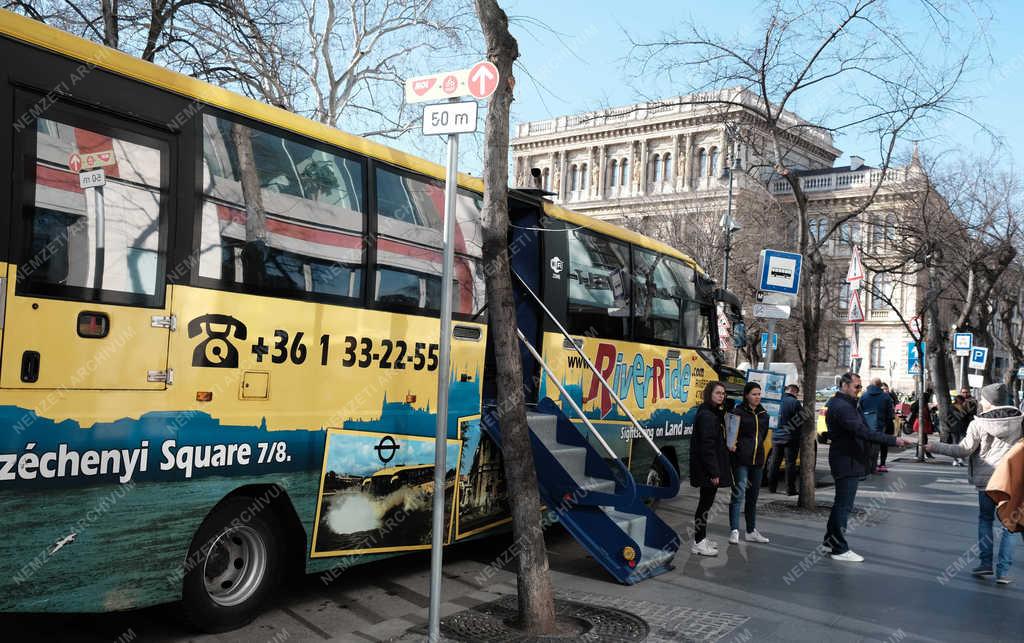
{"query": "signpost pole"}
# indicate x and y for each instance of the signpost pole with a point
(922, 404)
(443, 376)
(770, 353)
(101, 233)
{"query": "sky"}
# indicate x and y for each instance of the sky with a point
(573, 59)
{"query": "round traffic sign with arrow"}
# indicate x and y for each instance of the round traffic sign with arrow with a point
(483, 79)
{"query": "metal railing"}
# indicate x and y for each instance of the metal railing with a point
(670, 470)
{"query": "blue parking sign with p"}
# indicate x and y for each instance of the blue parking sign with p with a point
(979, 356)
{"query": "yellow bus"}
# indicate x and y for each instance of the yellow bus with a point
(220, 322)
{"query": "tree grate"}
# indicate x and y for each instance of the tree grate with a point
(580, 622)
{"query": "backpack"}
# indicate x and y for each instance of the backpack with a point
(871, 419)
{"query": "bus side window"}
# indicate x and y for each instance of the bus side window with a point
(410, 214)
(279, 214)
(658, 298)
(694, 320)
(599, 285)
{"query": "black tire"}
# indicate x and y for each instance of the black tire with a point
(218, 559)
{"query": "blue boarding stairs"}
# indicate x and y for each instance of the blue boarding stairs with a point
(591, 491)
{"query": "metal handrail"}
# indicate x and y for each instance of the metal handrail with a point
(630, 483)
(565, 395)
(590, 363)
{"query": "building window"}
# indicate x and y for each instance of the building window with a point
(843, 353)
(655, 168)
(613, 173)
(713, 167)
(844, 296)
(666, 172)
(881, 291)
(702, 162)
(624, 173)
(547, 179)
(876, 353)
(878, 232)
(848, 233)
(583, 177)
(574, 178)
(890, 229)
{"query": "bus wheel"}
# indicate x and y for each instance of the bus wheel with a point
(235, 562)
(654, 478)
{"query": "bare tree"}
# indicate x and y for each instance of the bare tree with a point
(952, 244)
(847, 51)
(1010, 300)
(536, 598)
(340, 62)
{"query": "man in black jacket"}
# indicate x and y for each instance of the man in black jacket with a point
(848, 459)
(786, 440)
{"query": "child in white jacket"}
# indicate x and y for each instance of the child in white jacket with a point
(990, 437)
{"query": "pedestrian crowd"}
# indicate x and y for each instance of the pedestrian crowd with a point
(728, 450)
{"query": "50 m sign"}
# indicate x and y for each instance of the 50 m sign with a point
(450, 118)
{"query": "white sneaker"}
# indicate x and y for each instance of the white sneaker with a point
(849, 556)
(734, 537)
(712, 544)
(703, 549)
(755, 537)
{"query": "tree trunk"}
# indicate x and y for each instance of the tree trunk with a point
(110, 23)
(937, 361)
(813, 291)
(536, 598)
(254, 252)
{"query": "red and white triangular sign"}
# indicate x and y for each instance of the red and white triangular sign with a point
(856, 271)
(855, 313)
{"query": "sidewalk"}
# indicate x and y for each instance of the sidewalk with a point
(916, 527)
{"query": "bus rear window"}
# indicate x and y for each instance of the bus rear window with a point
(98, 240)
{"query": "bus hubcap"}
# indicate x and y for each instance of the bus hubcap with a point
(235, 565)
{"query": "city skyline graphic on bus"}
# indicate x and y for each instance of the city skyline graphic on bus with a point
(406, 418)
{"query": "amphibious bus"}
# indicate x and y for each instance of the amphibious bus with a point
(220, 326)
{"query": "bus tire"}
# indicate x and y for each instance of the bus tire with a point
(234, 563)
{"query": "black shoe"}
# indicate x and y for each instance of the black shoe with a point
(792, 492)
(773, 489)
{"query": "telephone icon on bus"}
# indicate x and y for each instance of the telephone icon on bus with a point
(216, 350)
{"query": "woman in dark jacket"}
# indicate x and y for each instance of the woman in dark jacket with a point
(748, 463)
(709, 463)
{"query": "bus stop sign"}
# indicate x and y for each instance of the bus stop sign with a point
(779, 272)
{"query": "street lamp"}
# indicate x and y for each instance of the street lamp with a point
(727, 224)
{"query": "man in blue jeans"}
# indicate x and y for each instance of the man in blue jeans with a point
(848, 457)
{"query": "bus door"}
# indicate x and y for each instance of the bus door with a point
(85, 300)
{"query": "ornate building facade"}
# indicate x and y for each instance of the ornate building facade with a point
(640, 159)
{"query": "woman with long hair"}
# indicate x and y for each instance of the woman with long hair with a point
(709, 463)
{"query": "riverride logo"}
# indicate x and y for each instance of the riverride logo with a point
(662, 378)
